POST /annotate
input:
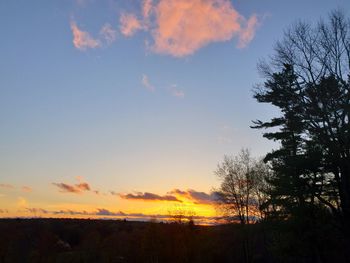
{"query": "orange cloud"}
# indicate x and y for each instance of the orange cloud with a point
(83, 40)
(129, 24)
(185, 26)
(181, 27)
(83, 186)
(195, 196)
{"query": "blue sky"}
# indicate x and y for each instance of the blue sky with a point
(67, 112)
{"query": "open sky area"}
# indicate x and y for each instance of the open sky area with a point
(124, 108)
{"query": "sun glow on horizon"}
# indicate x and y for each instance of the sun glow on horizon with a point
(89, 203)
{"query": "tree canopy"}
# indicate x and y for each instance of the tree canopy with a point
(308, 80)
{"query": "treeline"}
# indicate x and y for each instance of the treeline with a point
(301, 191)
(84, 240)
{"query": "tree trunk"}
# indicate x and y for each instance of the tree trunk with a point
(345, 194)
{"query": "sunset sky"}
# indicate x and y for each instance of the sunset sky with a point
(124, 108)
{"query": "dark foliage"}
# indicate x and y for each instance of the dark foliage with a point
(308, 80)
(79, 240)
(73, 240)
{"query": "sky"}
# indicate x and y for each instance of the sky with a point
(124, 108)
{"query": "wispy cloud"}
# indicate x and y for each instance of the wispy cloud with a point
(181, 27)
(98, 212)
(37, 210)
(9, 186)
(66, 188)
(147, 8)
(129, 24)
(83, 40)
(146, 196)
(106, 212)
(176, 92)
(247, 34)
(78, 188)
(4, 211)
(147, 84)
(26, 189)
(108, 33)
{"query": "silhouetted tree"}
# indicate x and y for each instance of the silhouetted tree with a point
(241, 192)
(308, 80)
(181, 214)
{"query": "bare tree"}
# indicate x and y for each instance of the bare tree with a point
(241, 193)
(181, 214)
(314, 51)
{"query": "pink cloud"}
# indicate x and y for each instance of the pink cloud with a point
(108, 33)
(83, 40)
(184, 26)
(146, 8)
(129, 24)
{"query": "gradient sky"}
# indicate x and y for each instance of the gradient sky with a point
(125, 107)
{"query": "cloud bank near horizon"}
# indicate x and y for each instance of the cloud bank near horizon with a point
(175, 195)
(101, 213)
